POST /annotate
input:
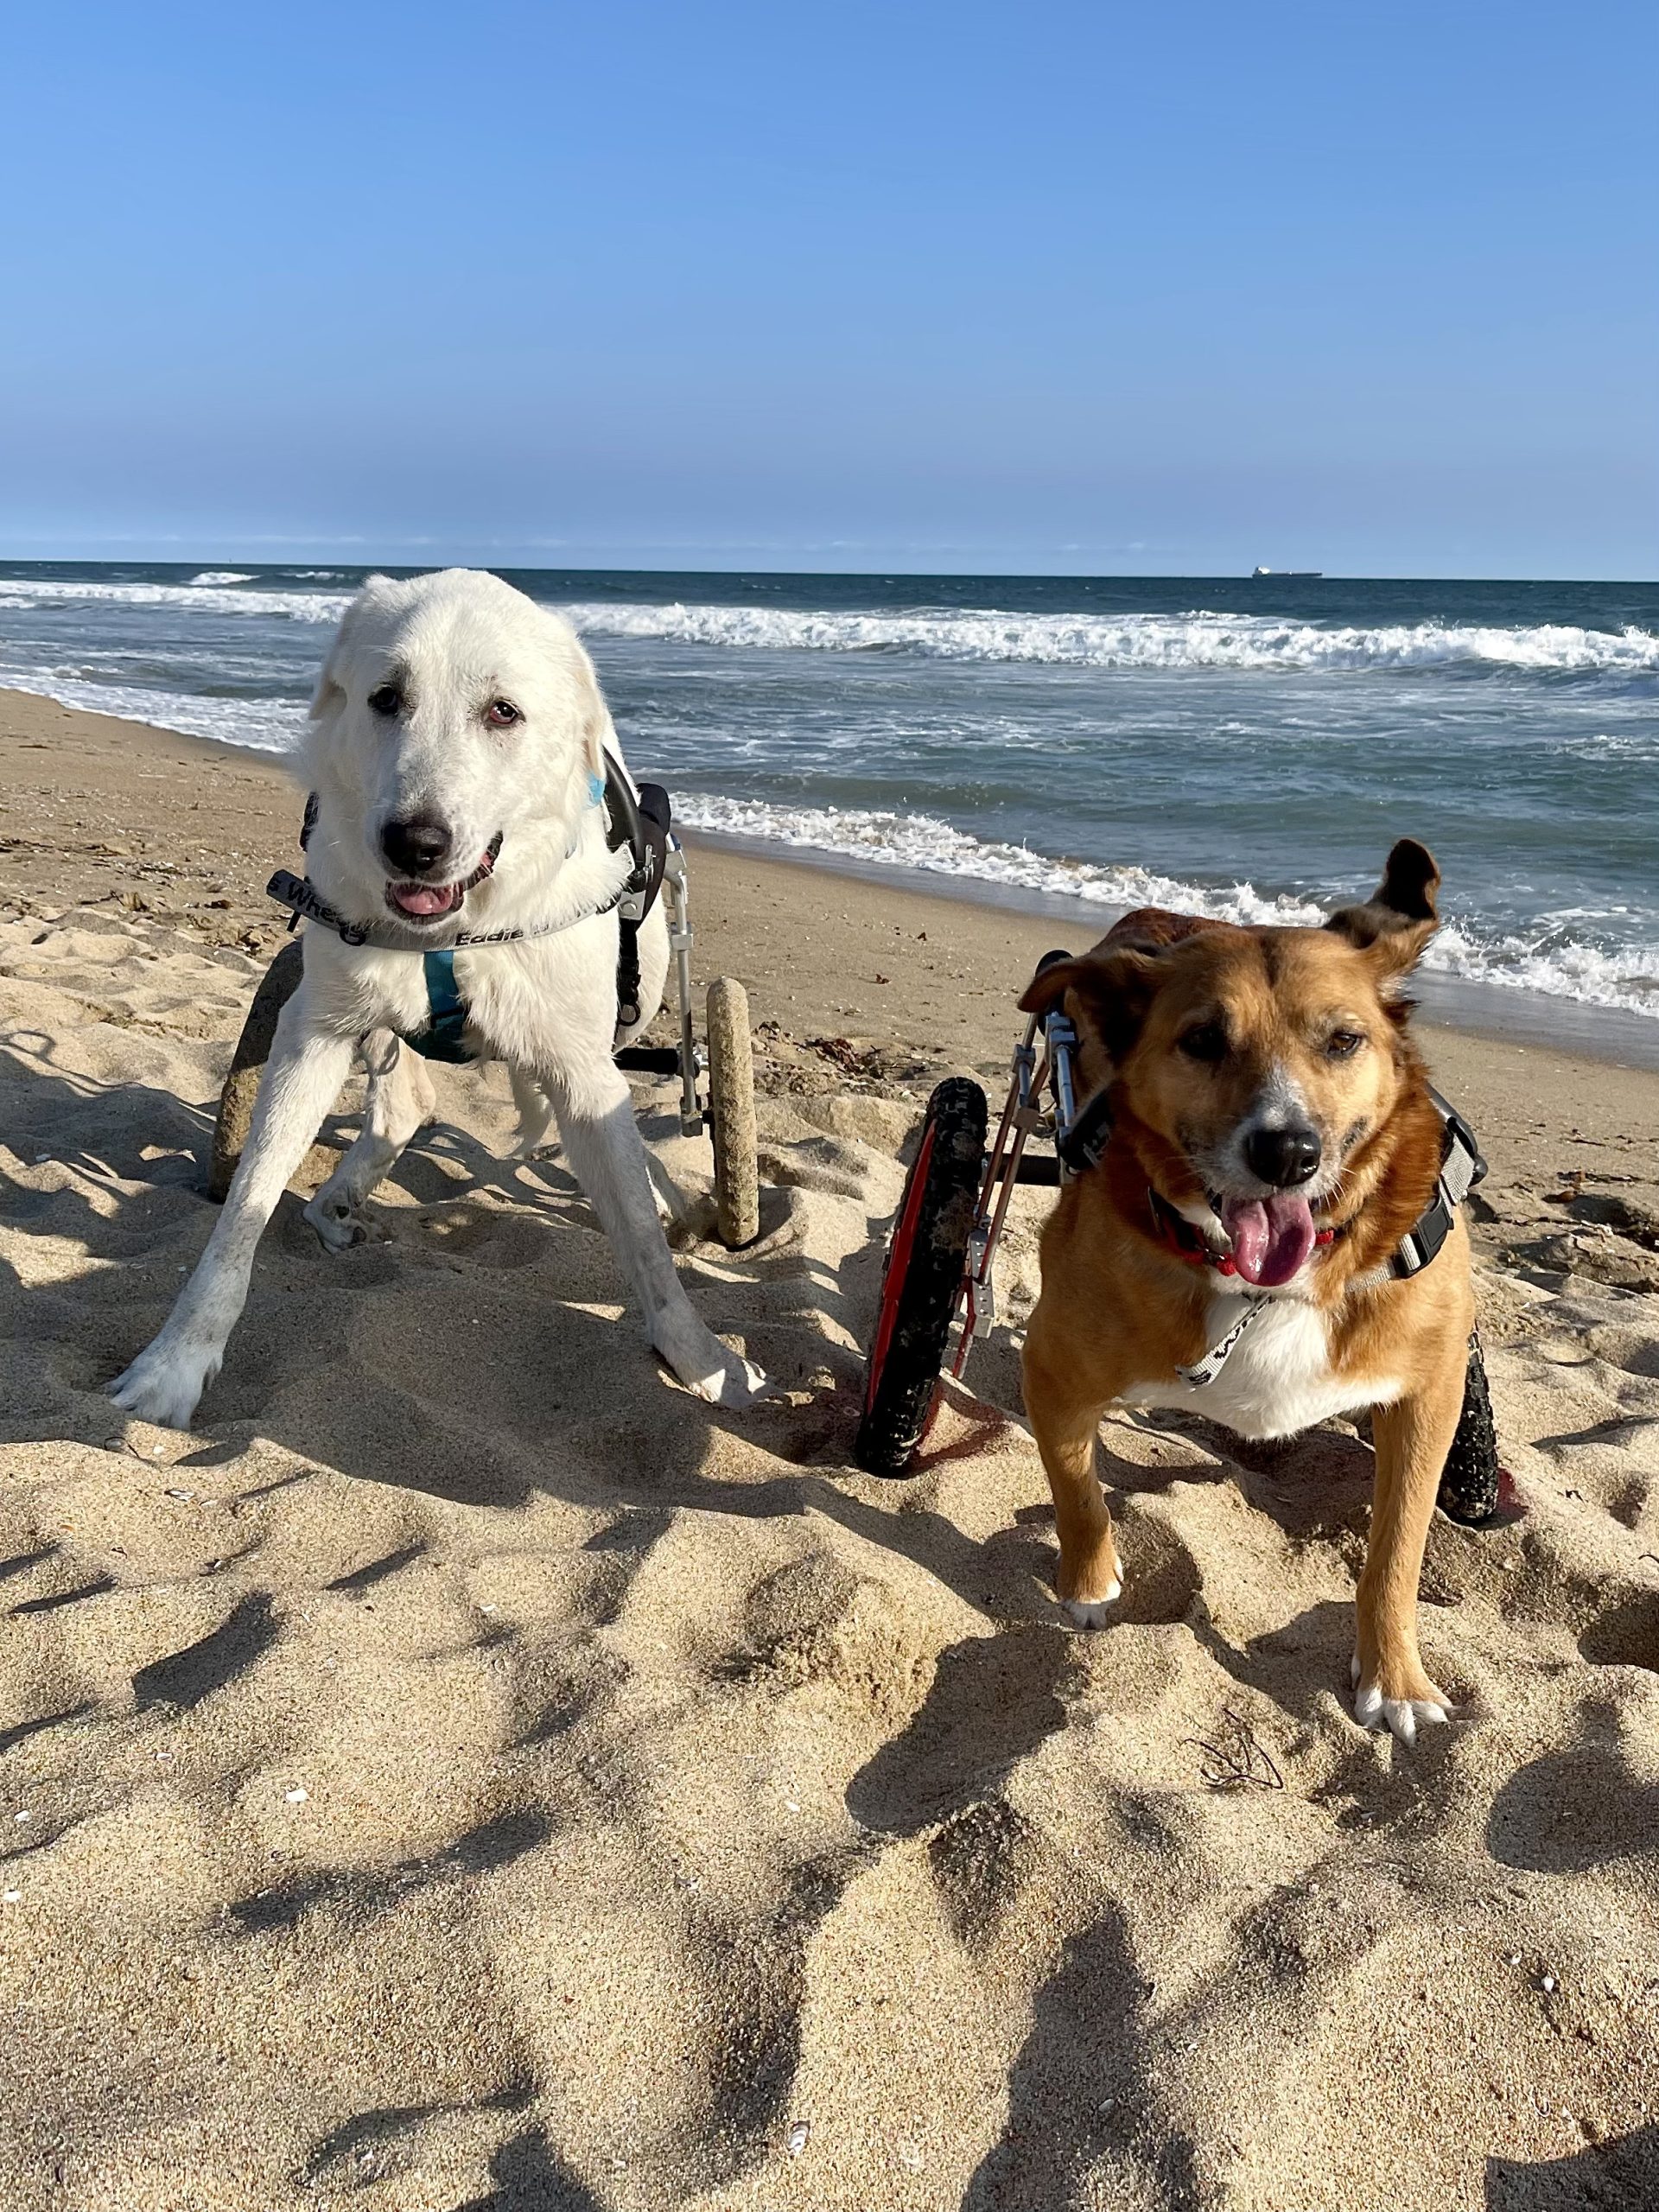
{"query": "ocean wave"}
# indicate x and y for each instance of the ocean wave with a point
(921, 840)
(1629, 747)
(1549, 962)
(1196, 640)
(260, 725)
(1627, 979)
(201, 597)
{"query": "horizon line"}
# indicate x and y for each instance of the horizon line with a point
(500, 555)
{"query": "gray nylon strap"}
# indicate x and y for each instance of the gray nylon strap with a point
(1206, 1369)
(1457, 1176)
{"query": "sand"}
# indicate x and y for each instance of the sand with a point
(468, 1771)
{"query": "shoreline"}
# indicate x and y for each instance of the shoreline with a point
(890, 977)
(1611, 1036)
(1504, 1014)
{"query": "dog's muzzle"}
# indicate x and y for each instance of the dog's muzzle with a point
(421, 902)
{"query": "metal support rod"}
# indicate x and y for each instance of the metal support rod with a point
(1010, 1177)
(1060, 1038)
(679, 939)
(1020, 1116)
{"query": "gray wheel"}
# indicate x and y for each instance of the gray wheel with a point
(731, 1114)
(278, 984)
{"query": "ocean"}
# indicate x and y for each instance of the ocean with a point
(1245, 748)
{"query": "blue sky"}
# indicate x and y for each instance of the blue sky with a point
(1041, 287)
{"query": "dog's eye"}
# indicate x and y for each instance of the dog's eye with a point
(1207, 1042)
(1343, 1044)
(501, 714)
(386, 699)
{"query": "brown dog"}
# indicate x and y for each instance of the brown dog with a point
(1273, 1140)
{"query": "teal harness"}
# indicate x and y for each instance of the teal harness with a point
(440, 1039)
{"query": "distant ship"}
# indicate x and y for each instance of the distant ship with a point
(1288, 575)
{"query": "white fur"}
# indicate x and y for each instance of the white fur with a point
(1278, 1378)
(1093, 1613)
(546, 1006)
(1402, 1716)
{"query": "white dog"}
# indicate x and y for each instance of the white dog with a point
(456, 750)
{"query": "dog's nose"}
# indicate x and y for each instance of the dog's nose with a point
(1283, 1157)
(417, 846)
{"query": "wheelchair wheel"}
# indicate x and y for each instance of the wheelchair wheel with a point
(922, 1280)
(277, 985)
(731, 1114)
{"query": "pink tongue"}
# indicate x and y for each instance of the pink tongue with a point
(1271, 1239)
(423, 898)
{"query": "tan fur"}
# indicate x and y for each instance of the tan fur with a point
(1120, 1312)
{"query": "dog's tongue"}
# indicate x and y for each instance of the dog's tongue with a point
(1272, 1238)
(424, 898)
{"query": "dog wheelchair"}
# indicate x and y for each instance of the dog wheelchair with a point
(937, 1279)
(716, 1084)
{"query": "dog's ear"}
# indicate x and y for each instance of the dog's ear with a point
(1400, 916)
(331, 686)
(598, 730)
(1109, 997)
(331, 692)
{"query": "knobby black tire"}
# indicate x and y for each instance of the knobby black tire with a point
(899, 1396)
(276, 986)
(731, 1114)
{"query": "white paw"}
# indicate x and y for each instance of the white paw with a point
(336, 1220)
(1403, 1716)
(735, 1382)
(1093, 1613)
(165, 1383)
(699, 1359)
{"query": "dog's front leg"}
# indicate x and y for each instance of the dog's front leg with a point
(535, 1110)
(400, 1103)
(1064, 1402)
(302, 1080)
(608, 1156)
(1412, 1439)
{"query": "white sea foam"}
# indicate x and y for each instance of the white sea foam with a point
(1627, 979)
(201, 597)
(262, 725)
(921, 840)
(1547, 962)
(1196, 640)
(1627, 748)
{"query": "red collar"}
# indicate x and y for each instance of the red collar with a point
(1176, 1234)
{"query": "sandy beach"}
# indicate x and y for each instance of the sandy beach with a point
(468, 1770)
